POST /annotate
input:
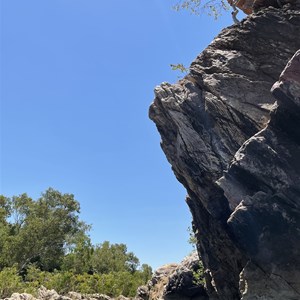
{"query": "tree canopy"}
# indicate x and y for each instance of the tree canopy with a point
(38, 231)
(44, 241)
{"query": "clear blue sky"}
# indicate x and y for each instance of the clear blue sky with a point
(77, 78)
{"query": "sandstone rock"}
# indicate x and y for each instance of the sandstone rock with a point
(96, 296)
(46, 294)
(75, 296)
(24, 296)
(207, 117)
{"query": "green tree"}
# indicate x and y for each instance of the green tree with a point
(39, 231)
(113, 258)
(78, 258)
(43, 242)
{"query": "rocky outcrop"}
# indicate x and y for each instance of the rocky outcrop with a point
(237, 154)
(250, 6)
(175, 282)
(183, 285)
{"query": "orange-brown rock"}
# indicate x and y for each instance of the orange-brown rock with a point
(259, 4)
(244, 5)
(250, 6)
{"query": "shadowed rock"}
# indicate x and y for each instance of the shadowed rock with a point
(206, 118)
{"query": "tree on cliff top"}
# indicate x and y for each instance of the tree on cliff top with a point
(211, 7)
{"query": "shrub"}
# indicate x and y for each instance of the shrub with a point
(10, 282)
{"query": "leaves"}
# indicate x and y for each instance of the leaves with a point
(113, 258)
(211, 7)
(179, 67)
(43, 242)
(38, 231)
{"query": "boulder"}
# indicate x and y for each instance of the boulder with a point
(175, 281)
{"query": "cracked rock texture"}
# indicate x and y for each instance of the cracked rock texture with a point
(237, 153)
(175, 282)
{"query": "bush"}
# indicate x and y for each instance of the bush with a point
(38, 238)
(112, 284)
(10, 282)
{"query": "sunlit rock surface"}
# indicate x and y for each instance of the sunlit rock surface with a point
(236, 151)
(175, 282)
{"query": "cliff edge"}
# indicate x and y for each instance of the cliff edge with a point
(237, 152)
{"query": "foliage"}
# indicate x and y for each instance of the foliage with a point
(43, 242)
(79, 255)
(10, 282)
(192, 238)
(38, 231)
(111, 258)
(198, 274)
(112, 284)
(179, 67)
(211, 7)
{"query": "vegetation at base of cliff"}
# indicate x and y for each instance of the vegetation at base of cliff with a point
(44, 242)
(112, 284)
(198, 271)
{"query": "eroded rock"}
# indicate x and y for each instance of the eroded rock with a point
(175, 281)
(213, 125)
(266, 221)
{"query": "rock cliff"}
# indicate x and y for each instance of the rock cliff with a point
(236, 151)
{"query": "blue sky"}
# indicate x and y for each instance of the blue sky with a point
(77, 78)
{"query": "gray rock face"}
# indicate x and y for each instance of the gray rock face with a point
(174, 282)
(242, 177)
(266, 221)
(182, 284)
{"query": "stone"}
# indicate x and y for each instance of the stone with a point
(96, 296)
(159, 280)
(75, 296)
(45, 294)
(174, 281)
(23, 296)
(266, 221)
(181, 284)
(220, 128)
(253, 6)
(142, 293)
